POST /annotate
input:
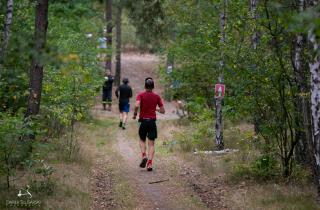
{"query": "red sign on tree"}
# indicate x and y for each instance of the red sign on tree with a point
(219, 90)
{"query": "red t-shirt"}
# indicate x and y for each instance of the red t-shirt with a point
(148, 104)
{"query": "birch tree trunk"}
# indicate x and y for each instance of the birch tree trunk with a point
(315, 104)
(219, 131)
(6, 29)
(109, 34)
(254, 15)
(118, 55)
(36, 70)
(302, 103)
(218, 101)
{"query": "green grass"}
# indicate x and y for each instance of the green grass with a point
(71, 177)
(290, 202)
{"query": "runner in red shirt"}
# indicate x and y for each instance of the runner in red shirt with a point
(148, 102)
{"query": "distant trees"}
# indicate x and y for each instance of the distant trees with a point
(66, 89)
(6, 31)
(118, 45)
(109, 27)
(270, 56)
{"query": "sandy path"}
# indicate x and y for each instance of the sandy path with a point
(176, 193)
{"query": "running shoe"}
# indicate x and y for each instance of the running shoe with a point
(149, 165)
(144, 162)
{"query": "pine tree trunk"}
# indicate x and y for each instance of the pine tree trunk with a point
(6, 30)
(109, 35)
(36, 70)
(118, 56)
(254, 42)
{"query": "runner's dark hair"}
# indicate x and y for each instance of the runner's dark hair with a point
(125, 80)
(148, 83)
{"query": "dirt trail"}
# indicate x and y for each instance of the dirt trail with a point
(182, 190)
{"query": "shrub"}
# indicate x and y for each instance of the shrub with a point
(13, 148)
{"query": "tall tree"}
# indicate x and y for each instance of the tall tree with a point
(218, 105)
(302, 103)
(36, 70)
(6, 29)
(254, 15)
(109, 34)
(118, 45)
(314, 67)
(254, 42)
(315, 104)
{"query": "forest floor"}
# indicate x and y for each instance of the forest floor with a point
(104, 174)
(181, 186)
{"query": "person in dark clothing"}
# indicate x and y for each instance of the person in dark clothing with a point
(148, 102)
(107, 91)
(124, 93)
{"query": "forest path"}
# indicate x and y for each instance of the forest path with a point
(180, 188)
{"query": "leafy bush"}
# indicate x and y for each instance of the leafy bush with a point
(40, 177)
(263, 168)
(13, 148)
(200, 133)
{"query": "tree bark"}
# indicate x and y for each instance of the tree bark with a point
(302, 103)
(223, 19)
(109, 35)
(219, 131)
(218, 101)
(254, 14)
(254, 43)
(118, 56)
(36, 70)
(315, 104)
(6, 30)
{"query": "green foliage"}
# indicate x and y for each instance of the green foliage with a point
(13, 148)
(40, 175)
(263, 168)
(200, 135)
(149, 19)
(261, 84)
(71, 79)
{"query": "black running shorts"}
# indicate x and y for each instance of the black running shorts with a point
(148, 128)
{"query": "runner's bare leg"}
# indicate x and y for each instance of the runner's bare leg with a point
(143, 147)
(151, 149)
(124, 117)
(120, 116)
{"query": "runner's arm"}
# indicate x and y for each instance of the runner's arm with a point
(136, 108)
(161, 106)
(161, 110)
(117, 92)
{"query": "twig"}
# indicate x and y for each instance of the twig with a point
(164, 180)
